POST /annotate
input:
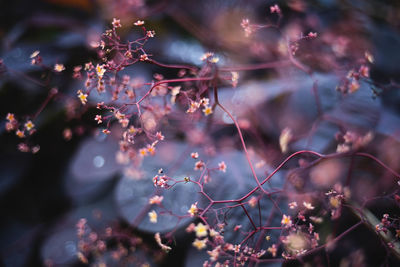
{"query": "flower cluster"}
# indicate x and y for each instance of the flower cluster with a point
(135, 111)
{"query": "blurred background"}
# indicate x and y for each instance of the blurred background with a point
(74, 175)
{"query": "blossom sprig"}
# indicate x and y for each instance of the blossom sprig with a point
(250, 28)
(94, 246)
(352, 82)
(13, 124)
(389, 224)
(133, 51)
(123, 89)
